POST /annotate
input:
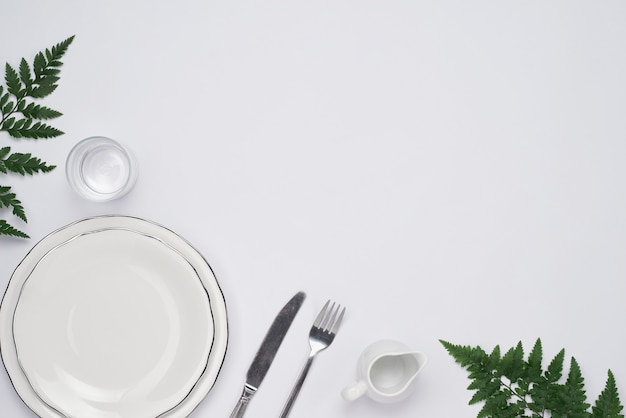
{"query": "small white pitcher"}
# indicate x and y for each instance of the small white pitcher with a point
(385, 372)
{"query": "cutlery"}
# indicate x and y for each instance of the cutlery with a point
(264, 357)
(321, 336)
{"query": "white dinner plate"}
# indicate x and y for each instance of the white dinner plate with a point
(113, 317)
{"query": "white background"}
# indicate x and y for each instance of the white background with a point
(446, 169)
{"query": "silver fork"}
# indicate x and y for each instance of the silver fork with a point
(321, 336)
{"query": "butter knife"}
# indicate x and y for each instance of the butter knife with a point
(264, 357)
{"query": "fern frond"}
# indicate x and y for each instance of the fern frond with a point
(8, 108)
(27, 129)
(535, 360)
(35, 83)
(25, 74)
(9, 200)
(512, 387)
(35, 111)
(571, 401)
(608, 404)
(22, 163)
(58, 50)
(6, 229)
(555, 368)
(12, 79)
(42, 90)
(21, 118)
(46, 64)
(464, 354)
(512, 364)
(485, 389)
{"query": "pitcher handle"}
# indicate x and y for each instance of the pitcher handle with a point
(354, 391)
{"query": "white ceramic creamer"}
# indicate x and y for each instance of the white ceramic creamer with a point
(385, 372)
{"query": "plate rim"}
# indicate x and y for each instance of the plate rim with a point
(204, 272)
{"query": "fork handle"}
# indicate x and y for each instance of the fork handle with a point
(297, 386)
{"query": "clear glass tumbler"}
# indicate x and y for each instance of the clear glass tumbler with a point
(100, 169)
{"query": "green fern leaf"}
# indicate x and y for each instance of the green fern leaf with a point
(4, 98)
(48, 72)
(555, 368)
(512, 387)
(512, 364)
(571, 398)
(508, 366)
(9, 200)
(39, 65)
(3, 153)
(21, 119)
(8, 108)
(576, 383)
(35, 111)
(8, 124)
(46, 67)
(25, 164)
(494, 358)
(484, 391)
(43, 90)
(465, 355)
(608, 404)
(6, 229)
(535, 359)
(50, 78)
(25, 74)
(22, 85)
(12, 79)
(461, 354)
(36, 131)
(498, 406)
(57, 51)
(19, 124)
(541, 394)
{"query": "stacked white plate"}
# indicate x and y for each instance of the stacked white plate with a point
(113, 317)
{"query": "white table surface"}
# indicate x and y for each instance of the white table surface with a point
(446, 169)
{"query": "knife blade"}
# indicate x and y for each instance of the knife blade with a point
(267, 351)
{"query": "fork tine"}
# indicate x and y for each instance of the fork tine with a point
(335, 326)
(321, 315)
(329, 317)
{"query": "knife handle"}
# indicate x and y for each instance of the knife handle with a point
(241, 406)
